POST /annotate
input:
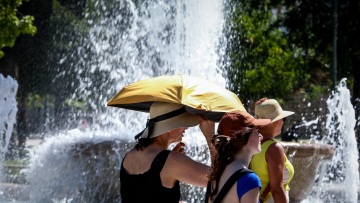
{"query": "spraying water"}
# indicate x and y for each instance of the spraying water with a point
(8, 111)
(130, 41)
(338, 179)
(133, 41)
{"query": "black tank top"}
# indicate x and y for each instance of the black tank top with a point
(147, 187)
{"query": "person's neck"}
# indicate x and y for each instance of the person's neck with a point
(266, 139)
(160, 144)
(242, 159)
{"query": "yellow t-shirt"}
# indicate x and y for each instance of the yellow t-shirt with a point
(259, 165)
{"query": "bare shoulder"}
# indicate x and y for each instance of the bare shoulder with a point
(130, 155)
(275, 153)
(276, 148)
(137, 162)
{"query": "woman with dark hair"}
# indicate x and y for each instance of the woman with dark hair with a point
(150, 172)
(237, 141)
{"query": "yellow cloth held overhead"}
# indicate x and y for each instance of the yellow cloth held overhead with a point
(199, 95)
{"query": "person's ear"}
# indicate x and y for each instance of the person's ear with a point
(278, 122)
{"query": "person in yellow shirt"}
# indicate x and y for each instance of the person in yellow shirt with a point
(271, 164)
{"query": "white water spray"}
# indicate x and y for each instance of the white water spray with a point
(139, 40)
(132, 41)
(158, 39)
(8, 110)
(338, 179)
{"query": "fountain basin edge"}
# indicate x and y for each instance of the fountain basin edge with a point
(306, 158)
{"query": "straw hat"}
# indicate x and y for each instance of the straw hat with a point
(271, 109)
(237, 120)
(165, 117)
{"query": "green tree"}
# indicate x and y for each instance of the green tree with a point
(53, 56)
(13, 23)
(310, 25)
(44, 64)
(261, 61)
(277, 47)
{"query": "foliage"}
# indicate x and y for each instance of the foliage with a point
(38, 101)
(75, 103)
(16, 162)
(262, 62)
(278, 47)
(76, 59)
(51, 57)
(310, 25)
(13, 23)
(66, 52)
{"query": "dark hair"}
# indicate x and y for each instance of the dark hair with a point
(226, 148)
(142, 143)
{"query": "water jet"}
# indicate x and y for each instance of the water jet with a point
(83, 166)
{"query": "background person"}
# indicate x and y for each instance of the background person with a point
(271, 164)
(237, 141)
(151, 173)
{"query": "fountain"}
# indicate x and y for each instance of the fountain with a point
(131, 40)
(178, 37)
(338, 180)
(7, 116)
(8, 111)
(305, 159)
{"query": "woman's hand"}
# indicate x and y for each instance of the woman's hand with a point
(260, 101)
(207, 126)
(179, 147)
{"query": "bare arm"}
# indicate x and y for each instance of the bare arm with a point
(207, 127)
(251, 196)
(182, 168)
(275, 157)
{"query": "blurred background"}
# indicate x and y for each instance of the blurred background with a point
(290, 50)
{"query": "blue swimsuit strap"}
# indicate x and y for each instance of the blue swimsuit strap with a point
(230, 182)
